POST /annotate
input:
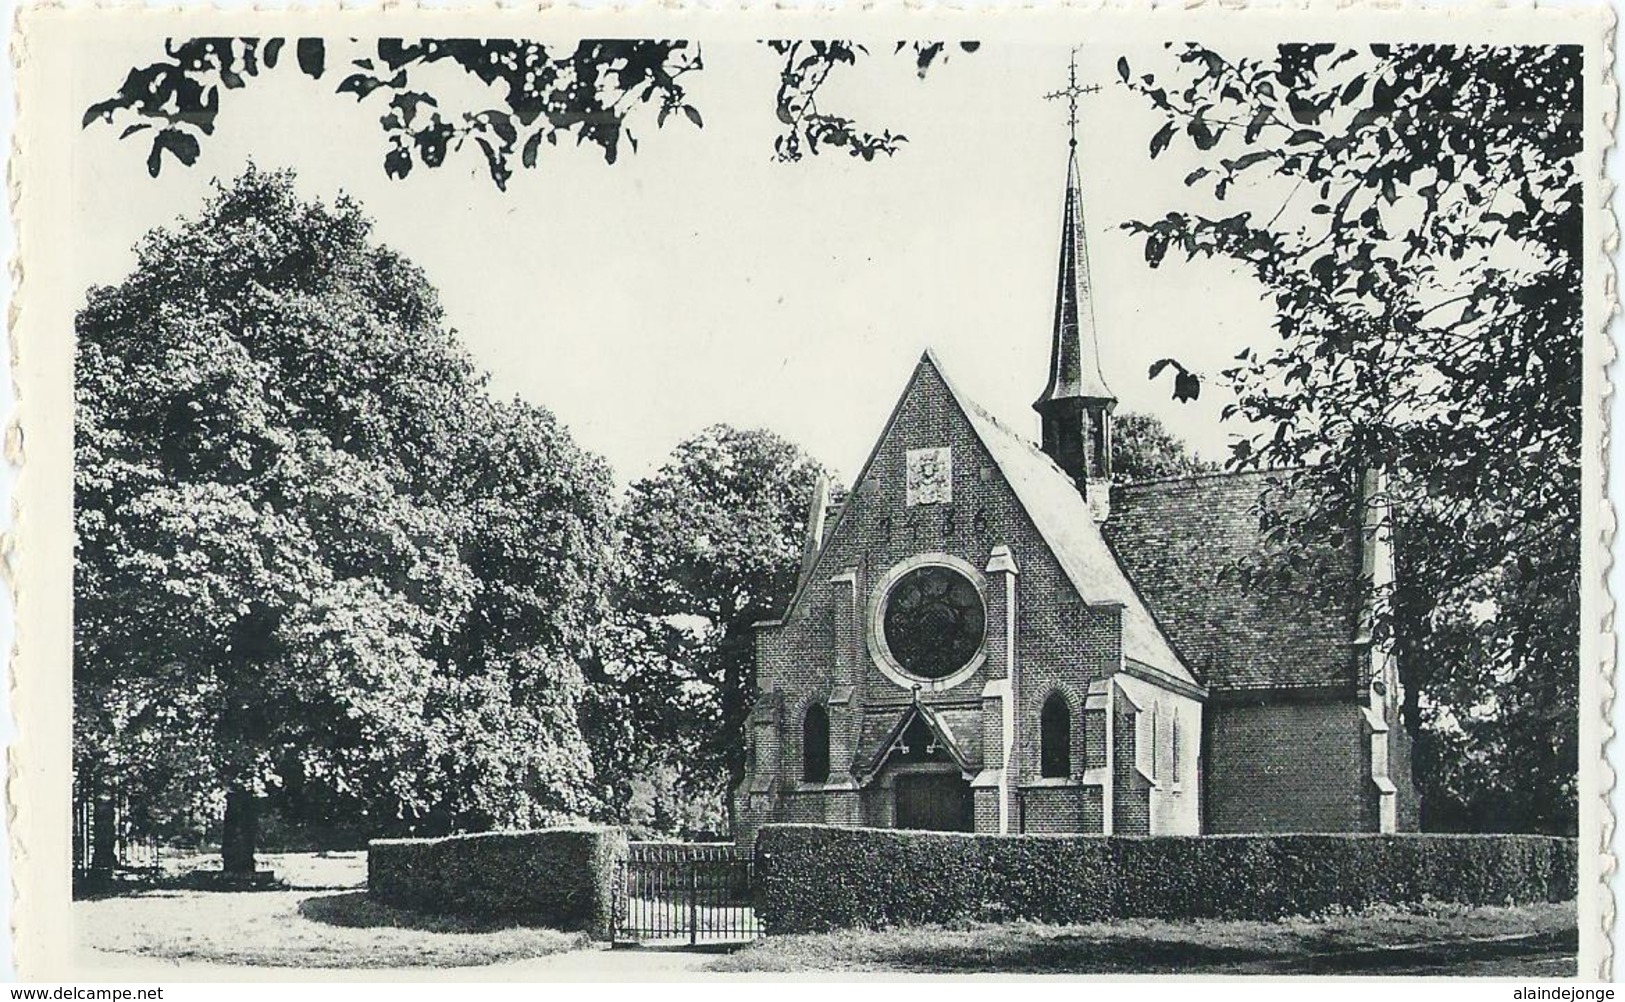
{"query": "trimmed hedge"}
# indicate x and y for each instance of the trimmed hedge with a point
(812, 878)
(562, 877)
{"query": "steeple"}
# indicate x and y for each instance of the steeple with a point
(1076, 404)
(1074, 365)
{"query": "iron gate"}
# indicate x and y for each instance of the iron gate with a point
(685, 893)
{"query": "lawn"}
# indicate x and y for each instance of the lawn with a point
(322, 918)
(1438, 939)
(306, 871)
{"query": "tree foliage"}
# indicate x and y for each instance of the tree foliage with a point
(1415, 214)
(315, 560)
(710, 544)
(538, 93)
(1144, 449)
(808, 129)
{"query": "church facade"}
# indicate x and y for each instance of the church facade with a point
(988, 634)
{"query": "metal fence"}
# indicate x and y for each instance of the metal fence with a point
(128, 850)
(685, 893)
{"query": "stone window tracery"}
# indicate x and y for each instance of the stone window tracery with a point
(933, 621)
(927, 622)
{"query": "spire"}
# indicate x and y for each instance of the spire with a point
(1076, 405)
(1074, 365)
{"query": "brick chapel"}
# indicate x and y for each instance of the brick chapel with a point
(989, 634)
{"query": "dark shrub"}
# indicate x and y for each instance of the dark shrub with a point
(811, 877)
(561, 877)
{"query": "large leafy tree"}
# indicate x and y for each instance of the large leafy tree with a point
(534, 94)
(1415, 213)
(314, 559)
(710, 545)
(1144, 449)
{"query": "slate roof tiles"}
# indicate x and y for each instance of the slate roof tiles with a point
(1183, 543)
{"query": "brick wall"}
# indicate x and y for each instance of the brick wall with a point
(1063, 809)
(877, 805)
(822, 643)
(804, 808)
(985, 816)
(1131, 795)
(1089, 642)
(1162, 714)
(1262, 777)
(1094, 739)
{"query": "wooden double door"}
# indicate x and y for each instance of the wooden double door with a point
(934, 801)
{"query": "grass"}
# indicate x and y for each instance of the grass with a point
(310, 871)
(1433, 939)
(321, 917)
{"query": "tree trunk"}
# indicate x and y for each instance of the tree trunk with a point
(240, 830)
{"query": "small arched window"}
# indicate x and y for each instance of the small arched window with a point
(1176, 742)
(815, 744)
(1055, 738)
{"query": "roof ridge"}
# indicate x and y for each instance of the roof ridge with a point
(1214, 475)
(927, 357)
(1031, 446)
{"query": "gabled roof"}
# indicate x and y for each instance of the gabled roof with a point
(1062, 516)
(880, 744)
(1185, 543)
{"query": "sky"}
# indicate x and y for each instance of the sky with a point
(699, 281)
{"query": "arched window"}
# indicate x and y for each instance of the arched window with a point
(1055, 738)
(815, 744)
(1176, 746)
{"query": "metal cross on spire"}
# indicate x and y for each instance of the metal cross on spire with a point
(1072, 92)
